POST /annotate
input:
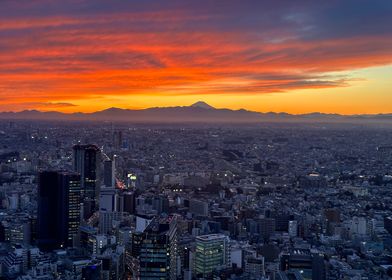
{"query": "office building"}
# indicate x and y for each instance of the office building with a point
(212, 253)
(86, 164)
(129, 202)
(58, 209)
(110, 209)
(154, 252)
(109, 170)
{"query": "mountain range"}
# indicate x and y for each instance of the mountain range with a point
(197, 112)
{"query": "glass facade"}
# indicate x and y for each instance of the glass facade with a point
(211, 253)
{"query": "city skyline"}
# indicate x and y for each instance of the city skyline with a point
(84, 56)
(195, 140)
(115, 200)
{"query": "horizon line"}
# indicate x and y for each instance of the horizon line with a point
(188, 106)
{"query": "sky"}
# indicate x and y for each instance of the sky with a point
(284, 56)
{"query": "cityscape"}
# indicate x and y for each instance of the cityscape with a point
(260, 201)
(195, 140)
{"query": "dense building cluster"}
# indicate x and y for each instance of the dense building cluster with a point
(270, 201)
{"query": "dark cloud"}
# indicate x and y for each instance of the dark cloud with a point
(302, 18)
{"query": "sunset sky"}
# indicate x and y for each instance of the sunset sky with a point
(293, 56)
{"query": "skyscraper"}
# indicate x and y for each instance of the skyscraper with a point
(117, 139)
(129, 202)
(110, 209)
(109, 173)
(86, 164)
(58, 209)
(212, 253)
(154, 252)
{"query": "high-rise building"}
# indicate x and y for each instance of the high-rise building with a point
(58, 209)
(110, 209)
(117, 139)
(86, 164)
(212, 253)
(109, 200)
(129, 202)
(109, 173)
(154, 252)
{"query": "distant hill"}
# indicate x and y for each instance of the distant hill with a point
(198, 112)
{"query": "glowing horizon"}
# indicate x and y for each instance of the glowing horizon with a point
(85, 56)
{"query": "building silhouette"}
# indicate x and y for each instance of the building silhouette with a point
(86, 164)
(58, 209)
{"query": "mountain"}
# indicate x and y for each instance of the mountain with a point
(202, 104)
(197, 112)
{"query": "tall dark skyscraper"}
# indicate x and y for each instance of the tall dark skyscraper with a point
(117, 139)
(109, 173)
(158, 242)
(129, 202)
(58, 209)
(86, 164)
